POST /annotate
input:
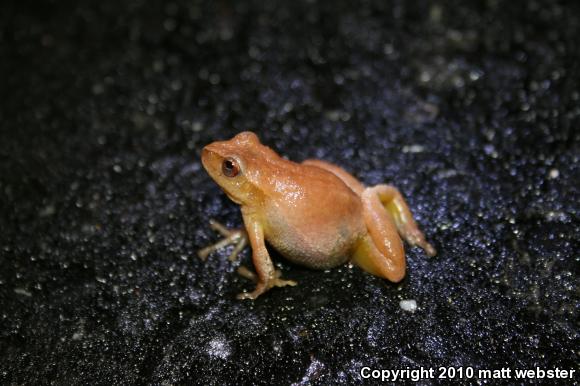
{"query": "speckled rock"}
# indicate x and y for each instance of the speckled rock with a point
(472, 110)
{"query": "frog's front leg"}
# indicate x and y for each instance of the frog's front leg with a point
(246, 273)
(267, 275)
(234, 236)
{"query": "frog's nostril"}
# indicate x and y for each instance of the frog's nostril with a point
(206, 152)
(205, 156)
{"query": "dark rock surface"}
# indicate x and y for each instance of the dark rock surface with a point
(472, 110)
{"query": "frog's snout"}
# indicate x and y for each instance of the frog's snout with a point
(206, 155)
(211, 158)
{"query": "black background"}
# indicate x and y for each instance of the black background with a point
(470, 108)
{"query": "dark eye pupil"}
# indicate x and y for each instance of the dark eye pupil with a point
(230, 168)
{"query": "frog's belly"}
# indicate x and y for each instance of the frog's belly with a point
(322, 248)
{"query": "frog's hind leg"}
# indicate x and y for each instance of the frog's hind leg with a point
(239, 237)
(382, 201)
(400, 213)
(380, 252)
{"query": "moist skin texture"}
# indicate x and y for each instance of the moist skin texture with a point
(314, 213)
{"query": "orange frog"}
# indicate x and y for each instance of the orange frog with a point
(314, 213)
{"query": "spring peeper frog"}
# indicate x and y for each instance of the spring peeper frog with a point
(314, 213)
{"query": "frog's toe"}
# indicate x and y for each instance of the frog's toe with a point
(416, 238)
(277, 281)
(284, 283)
(220, 228)
(274, 281)
(237, 236)
(247, 274)
(247, 295)
(243, 241)
(428, 248)
(204, 253)
(260, 289)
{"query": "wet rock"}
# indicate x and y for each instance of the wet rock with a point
(470, 109)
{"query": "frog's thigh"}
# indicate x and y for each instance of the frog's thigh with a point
(381, 251)
(399, 211)
(345, 176)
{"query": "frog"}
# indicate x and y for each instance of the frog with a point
(314, 214)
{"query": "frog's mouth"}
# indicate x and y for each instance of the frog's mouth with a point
(235, 200)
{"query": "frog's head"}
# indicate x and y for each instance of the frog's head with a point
(236, 166)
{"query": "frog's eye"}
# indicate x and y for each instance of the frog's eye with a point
(230, 167)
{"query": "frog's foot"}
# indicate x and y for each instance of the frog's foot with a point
(238, 237)
(275, 281)
(400, 213)
(415, 237)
